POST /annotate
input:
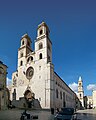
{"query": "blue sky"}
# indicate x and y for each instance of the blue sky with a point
(73, 33)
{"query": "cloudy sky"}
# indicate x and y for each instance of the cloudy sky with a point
(73, 34)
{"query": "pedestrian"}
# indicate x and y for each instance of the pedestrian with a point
(57, 110)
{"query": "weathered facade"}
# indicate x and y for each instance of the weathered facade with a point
(4, 93)
(35, 76)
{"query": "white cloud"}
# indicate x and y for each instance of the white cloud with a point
(9, 82)
(74, 86)
(91, 87)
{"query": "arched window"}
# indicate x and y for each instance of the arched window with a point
(80, 95)
(41, 31)
(21, 55)
(56, 93)
(40, 56)
(21, 63)
(79, 84)
(40, 46)
(23, 42)
(30, 59)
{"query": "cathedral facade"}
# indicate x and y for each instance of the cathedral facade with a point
(35, 76)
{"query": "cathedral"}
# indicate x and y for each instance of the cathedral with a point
(35, 78)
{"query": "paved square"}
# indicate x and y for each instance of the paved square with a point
(15, 114)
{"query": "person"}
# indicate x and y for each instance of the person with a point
(24, 113)
(57, 110)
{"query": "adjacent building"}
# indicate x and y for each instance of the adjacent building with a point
(35, 77)
(88, 102)
(94, 98)
(4, 93)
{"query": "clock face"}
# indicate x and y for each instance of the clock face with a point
(29, 73)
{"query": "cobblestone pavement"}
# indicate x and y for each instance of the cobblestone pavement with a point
(15, 114)
(88, 114)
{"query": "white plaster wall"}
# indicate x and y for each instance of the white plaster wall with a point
(94, 98)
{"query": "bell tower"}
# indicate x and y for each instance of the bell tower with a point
(42, 30)
(81, 91)
(43, 45)
(24, 50)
